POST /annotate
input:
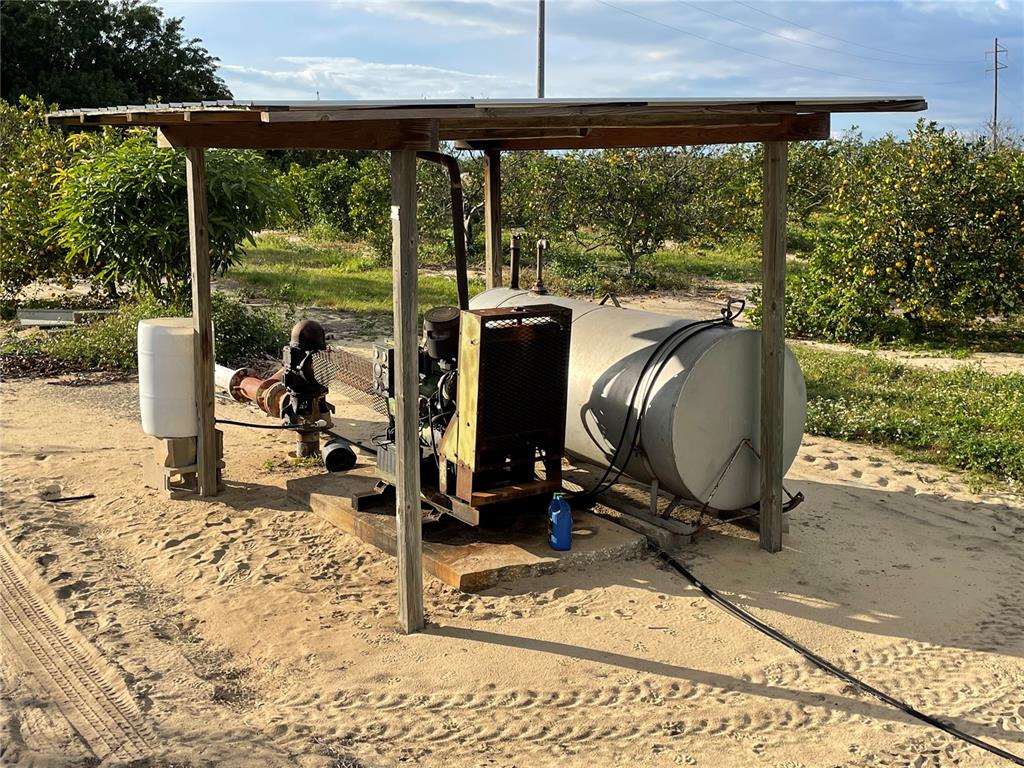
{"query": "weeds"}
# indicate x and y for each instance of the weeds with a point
(963, 419)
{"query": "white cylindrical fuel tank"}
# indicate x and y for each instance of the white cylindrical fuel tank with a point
(167, 377)
(702, 403)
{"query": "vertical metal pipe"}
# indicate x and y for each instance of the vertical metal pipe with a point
(516, 255)
(538, 286)
(540, 49)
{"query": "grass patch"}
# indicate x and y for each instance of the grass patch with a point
(573, 269)
(964, 419)
(339, 275)
(736, 262)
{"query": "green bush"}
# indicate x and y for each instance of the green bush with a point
(370, 205)
(926, 234)
(630, 200)
(370, 209)
(319, 196)
(120, 212)
(242, 334)
(31, 154)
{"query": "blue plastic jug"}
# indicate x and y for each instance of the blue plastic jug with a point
(559, 523)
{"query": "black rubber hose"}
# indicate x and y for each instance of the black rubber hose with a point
(293, 427)
(451, 164)
(672, 340)
(827, 666)
(666, 356)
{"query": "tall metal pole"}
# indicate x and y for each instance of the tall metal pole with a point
(995, 95)
(540, 49)
(996, 66)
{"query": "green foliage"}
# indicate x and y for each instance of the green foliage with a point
(926, 234)
(535, 193)
(370, 206)
(92, 53)
(242, 335)
(633, 199)
(319, 195)
(121, 213)
(30, 156)
(577, 271)
(965, 419)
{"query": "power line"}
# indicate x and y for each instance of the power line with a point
(770, 58)
(801, 42)
(851, 42)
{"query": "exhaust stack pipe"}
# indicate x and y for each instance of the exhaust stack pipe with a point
(515, 253)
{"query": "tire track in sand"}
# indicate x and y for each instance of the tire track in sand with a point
(87, 690)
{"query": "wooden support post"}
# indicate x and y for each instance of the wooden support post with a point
(492, 217)
(407, 439)
(773, 341)
(202, 323)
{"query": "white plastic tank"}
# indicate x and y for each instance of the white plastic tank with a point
(703, 402)
(167, 377)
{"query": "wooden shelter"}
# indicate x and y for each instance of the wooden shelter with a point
(494, 126)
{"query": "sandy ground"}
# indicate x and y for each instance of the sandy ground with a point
(248, 632)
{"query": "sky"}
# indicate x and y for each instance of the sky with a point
(411, 49)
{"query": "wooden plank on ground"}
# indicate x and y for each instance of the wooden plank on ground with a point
(461, 556)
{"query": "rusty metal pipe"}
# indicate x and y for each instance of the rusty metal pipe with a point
(245, 386)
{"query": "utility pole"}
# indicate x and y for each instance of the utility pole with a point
(996, 66)
(540, 49)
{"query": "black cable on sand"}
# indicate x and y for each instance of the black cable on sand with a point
(827, 666)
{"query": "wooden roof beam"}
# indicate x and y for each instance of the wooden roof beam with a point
(369, 134)
(787, 128)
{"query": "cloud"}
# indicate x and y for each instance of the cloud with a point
(352, 78)
(976, 10)
(502, 17)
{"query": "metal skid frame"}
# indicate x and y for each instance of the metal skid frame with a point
(708, 517)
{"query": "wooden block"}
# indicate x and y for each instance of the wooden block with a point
(175, 451)
(182, 451)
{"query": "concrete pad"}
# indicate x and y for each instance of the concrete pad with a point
(508, 547)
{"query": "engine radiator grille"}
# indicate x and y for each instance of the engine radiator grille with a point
(351, 375)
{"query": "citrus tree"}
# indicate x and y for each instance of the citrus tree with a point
(319, 195)
(632, 200)
(31, 154)
(927, 233)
